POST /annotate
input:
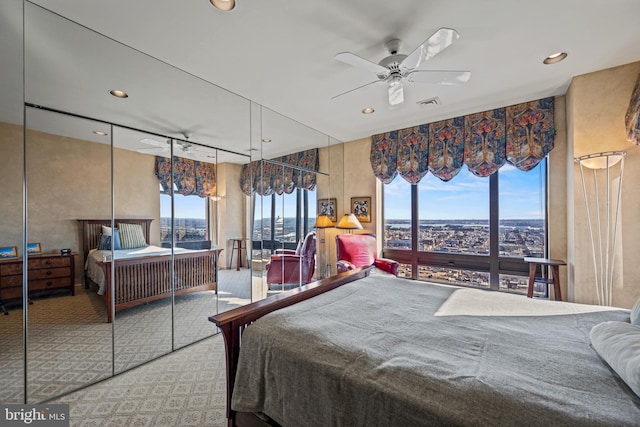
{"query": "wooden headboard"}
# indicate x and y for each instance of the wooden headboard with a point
(91, 229)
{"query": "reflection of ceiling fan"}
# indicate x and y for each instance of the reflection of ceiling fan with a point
(395, 68)
(184, 148)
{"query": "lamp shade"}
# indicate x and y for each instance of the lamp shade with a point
(323, 221)
(224, 4)
(350, 222)
(601, 160)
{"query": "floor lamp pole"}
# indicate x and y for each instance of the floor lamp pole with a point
(602, 236)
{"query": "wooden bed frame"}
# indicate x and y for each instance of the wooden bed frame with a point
(233, 322)
(141, 280)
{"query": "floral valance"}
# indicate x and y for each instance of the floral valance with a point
(190, 177)
(268, 177)
(521, 135)
(632, 118)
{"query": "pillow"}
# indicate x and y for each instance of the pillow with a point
(618, 343)
(635, 313)
(105, 243)
(108, 231)
(131, 236)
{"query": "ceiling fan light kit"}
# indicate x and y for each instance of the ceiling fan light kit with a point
(396, 67)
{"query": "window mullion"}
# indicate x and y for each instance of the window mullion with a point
(494, 232)
(415, 228)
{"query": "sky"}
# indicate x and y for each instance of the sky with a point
(463, 197)
(185, 206)
(466, 196)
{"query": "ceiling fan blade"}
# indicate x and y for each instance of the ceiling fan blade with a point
(356, 61)
(396, 93)
(435, 44)
(153, 150)
(439, 77)
(153, 142)
(359, 87)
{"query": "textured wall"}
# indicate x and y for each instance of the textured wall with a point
(597, 103)
(69, 179)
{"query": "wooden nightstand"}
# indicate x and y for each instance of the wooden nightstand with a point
(47, 273)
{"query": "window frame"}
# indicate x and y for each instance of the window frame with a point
(492, 263)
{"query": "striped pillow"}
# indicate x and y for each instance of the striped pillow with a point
(131, 236)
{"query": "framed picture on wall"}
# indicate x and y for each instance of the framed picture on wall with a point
(328, 207)
(34, 248)
(361, 208)
(9, 252)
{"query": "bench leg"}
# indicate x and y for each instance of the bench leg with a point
(556, 283)
(532, 278)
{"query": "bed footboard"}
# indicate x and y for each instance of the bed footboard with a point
(145, 279)
(233, 322)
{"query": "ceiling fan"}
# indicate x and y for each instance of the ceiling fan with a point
(397, 67)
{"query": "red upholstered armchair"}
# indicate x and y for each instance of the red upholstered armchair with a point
(287, 266)
(359, 250)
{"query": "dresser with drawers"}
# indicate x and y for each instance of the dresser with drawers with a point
(46, 273)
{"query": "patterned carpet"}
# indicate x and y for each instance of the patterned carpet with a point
(184, 388)
(70, 343)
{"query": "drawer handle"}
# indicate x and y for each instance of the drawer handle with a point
(49, 273)
(48, 262)
(49, 283)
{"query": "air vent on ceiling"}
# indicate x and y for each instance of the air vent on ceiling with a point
(429, 102)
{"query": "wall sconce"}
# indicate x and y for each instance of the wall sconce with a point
(322, 222)
(349, 222)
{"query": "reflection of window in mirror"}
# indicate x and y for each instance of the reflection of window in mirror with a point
(283, 220)
(191, 221)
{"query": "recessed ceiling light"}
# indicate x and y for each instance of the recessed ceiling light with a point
(223, 4)
(118, 93)
(368, 110)
(555, 58)
(99, 132)
(266, 139)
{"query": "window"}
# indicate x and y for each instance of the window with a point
(191, 219)
(470, 231)
(282, 220)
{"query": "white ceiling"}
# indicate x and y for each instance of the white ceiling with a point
(279, 54)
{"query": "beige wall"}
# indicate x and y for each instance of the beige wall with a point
(70, 179)
(231, 211)
(596, 105)
(11, 166)
(557, 193)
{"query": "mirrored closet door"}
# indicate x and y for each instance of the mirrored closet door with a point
(68, 180)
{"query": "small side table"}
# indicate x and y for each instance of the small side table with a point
(237, 246)
(554, 280)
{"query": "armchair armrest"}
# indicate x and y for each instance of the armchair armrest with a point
(343, 266)
(388, 265)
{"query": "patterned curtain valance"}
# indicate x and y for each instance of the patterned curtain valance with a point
(632, 118)
(190, 177)
(266, 178)
(521, 135)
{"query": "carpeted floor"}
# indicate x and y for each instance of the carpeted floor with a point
(184, 388)
(70, 343)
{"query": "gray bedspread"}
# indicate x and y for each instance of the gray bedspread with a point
(385, 352)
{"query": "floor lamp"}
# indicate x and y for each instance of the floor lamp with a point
(602, 196)
(322, 223)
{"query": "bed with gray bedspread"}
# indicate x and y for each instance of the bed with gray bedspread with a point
(383, 351)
